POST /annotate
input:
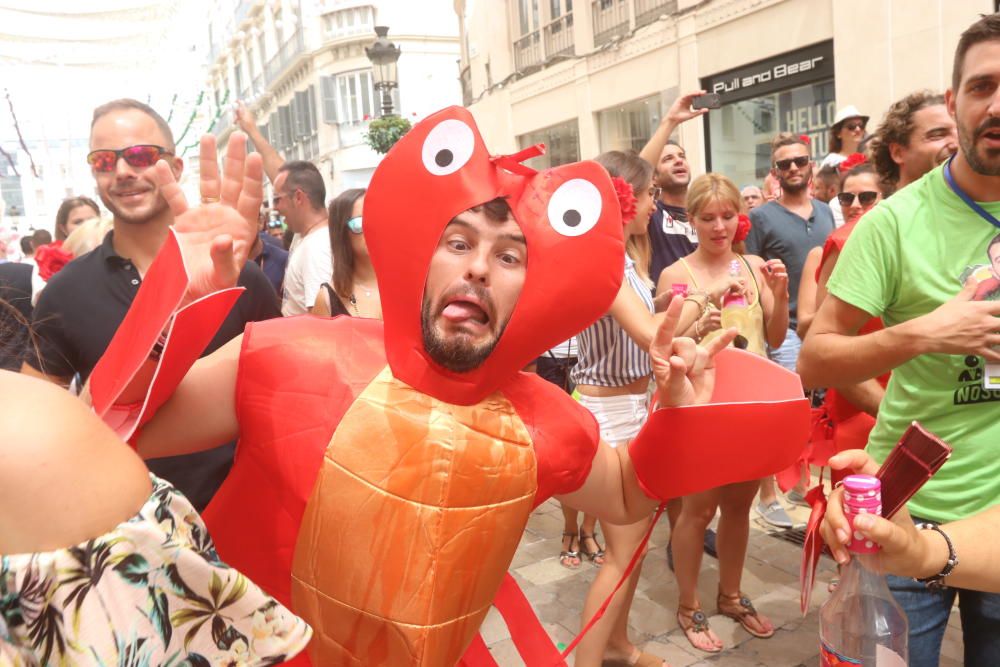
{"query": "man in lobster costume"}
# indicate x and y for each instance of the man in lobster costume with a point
(385, 472)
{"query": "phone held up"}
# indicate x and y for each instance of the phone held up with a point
(706, 101)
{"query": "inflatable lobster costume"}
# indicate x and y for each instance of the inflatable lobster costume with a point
(382, 495)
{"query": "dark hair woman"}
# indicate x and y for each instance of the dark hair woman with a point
(72, 213)
(354, 291)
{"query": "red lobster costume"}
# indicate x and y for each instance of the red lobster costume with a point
(382, 495)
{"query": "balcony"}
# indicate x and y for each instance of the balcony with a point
(527, 51)
(610, 20)
(242, 10)
(647, 11)
(559, 36)
(277, 65)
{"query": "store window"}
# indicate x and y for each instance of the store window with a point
(562, 145)
(630, 125)
(793, 92)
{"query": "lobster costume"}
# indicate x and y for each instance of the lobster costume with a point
(382, 495)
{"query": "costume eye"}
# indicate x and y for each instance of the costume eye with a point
(575, 207)
(448, 147)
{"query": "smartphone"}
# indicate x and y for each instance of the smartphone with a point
(706, 101)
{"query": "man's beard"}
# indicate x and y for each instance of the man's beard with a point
(988, 165)
(133, 218)
(456, 354)
(793, 188)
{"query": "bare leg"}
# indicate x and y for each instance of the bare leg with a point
(688, 541)
(734, 532)
(768, 491)
(570, 544)
(588, 540)
(621, 544)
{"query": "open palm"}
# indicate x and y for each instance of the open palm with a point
(683, 370)
(216, 236)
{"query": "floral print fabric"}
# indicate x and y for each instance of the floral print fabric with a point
(151, 592)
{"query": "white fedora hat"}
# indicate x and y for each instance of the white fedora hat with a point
(850, 111)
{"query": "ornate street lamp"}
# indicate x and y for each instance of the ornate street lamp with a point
(383, 55)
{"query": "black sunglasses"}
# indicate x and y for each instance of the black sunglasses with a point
(141, 156)
(864, 198)
(800, 162)
(854, 125)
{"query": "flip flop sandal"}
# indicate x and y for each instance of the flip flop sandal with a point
(643, 659)
(747, 610)
(699, 624)
(566, 557)
(592, 556)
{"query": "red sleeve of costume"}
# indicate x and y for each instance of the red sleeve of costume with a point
(834, 242)
(564, 433)
(297, 378)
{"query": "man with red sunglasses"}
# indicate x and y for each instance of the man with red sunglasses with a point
(82, 306)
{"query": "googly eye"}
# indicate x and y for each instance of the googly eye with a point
(575, 207)
(448, 147)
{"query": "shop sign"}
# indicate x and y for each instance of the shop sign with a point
(795, 68)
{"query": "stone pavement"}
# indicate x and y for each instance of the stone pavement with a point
(770, 579)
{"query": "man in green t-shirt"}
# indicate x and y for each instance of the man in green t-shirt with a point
(905, 262)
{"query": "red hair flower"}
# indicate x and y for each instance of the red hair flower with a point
(852, 161)
(742, 229)
(805, 139)
(51, 258)
(626, 198)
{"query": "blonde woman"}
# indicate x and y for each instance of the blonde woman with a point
(725, 289)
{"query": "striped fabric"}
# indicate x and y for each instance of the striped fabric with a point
(607, 357)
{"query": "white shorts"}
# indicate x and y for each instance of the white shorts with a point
(619, 417)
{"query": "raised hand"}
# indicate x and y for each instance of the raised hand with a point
(776, 277)
(681, 110)
(245, 118)
(216, 237)
(684, 371)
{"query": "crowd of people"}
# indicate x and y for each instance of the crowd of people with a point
(872, 272)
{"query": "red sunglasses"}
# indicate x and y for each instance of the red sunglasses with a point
(141, 156)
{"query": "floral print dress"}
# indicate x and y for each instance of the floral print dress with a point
(151, 592)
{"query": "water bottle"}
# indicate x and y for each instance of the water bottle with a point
(861, 623)
(732, 297)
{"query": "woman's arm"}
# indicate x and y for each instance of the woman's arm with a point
(772, 281)
(809, 292)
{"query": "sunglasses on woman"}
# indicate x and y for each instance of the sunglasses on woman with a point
(140, 156)
(800, 162)
(864, 198)
(854, 125)
(354, 224)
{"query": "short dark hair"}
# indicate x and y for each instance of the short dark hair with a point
(783, 139)
(125, 104)
(40, 237)
(986, 29)
(496, 210)
(896, 128)
(829, 175)
(26, 246)
(62, 215)
(306, 177)
(863, 168)
(339, 213)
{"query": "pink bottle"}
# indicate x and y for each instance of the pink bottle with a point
(861, 623)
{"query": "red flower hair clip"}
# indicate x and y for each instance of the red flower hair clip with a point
(805, 139)
(742, 229)
(852, 161)
(626, 198)
(51, 258)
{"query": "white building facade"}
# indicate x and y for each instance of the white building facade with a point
(300, 66)
(586, 76)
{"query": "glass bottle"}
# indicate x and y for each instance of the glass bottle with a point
(861, 623)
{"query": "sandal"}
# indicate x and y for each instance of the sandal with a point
(699, 625)
(746, 611)
(570, 558)
(592, 556)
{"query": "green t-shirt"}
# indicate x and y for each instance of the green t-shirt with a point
(905, 258)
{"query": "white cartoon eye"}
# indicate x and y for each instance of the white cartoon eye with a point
(448, 147)
(575, 207)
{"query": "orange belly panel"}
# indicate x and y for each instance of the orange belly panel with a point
(413, 521)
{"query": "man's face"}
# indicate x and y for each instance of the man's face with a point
(672, 171)
(473, 283)
(792, 177)
(285, 202)
(753, 197)
(933, 140)
(130, 193)
(976, 108)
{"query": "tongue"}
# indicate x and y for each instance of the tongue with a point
(463, 310)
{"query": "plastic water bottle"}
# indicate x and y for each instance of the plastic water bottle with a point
(861, 623)
(733, 298)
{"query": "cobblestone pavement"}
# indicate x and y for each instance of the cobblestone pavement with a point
(770, 579)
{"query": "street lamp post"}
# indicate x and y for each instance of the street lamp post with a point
(383, 55)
